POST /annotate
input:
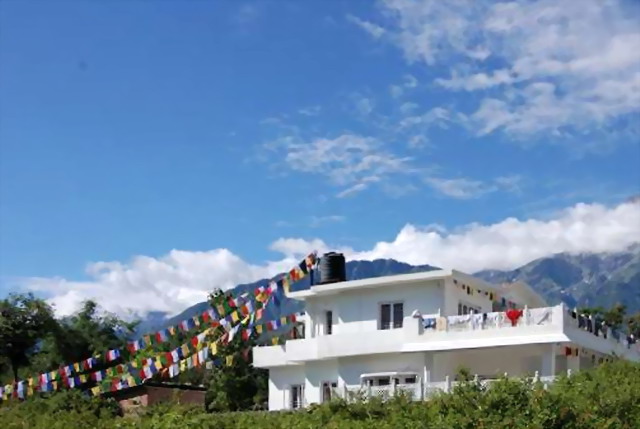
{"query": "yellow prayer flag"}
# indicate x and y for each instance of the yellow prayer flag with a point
(183, 365)
(131, 381)
(283, 320)
(31, 381)
(259, 329)
(185, 349)
(229, 360)
(234, 316)
(76, 366)
(55, 385)
(213, 349)
(95, 390)
(158, 365)
(274, 341)
(53, 375)
(83, 378)
(29, 391)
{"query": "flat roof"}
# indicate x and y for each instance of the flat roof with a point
(398, 279)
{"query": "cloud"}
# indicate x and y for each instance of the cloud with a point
(538, 67)
(409, 82)
(512, 242)
(349, 160)
(317, 221)
(365, 106)
(182, 278)
(310, 111)
(463, 188)
(374, 30)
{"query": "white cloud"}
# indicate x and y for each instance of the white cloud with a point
(317, 221)
(512, 242)
(182, 278)
(543, 66)
(463, 188)
(365, 106)
(349, 160)
(310, 111)
(459, 188)
(374, 30)
(408, 107)
(438, 116)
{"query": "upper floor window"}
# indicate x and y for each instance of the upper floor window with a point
(391, 315)
(467, 309)
(328, 315)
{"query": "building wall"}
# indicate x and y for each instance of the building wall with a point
(182, 396)
(516, 361)
(352, 368)
(491, 362)
(280, 380)
(358, 311)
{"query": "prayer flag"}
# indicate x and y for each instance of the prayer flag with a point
(113, 355)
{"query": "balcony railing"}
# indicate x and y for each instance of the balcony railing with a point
(425, 391)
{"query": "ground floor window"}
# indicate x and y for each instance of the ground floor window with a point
(327, 390)
(297, 396)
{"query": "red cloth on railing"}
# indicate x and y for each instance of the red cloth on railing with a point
(513, 316)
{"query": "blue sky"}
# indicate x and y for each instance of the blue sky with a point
(136, 128)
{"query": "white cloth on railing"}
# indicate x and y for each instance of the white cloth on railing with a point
(493, 320)
(458, 322)
(539, 316)
(476, 321)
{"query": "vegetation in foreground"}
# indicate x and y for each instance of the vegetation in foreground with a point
(606, 397)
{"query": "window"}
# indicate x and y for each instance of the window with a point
(297, 396)
(384, 381)
(398, 315)
(410, 380)
(391, 315)
(327, 390)
(329, 322)
(467, 309)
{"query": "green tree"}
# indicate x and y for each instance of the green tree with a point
(235, 385)
(88, 332)
(24, 321)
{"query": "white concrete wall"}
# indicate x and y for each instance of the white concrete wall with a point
(516, 361)
(350, 369)
(358, 311)
(317, 373)
(456, 295)
(280, 379)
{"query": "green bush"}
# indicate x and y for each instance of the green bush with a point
(606, 397)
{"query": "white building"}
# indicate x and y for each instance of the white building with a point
(414, 331)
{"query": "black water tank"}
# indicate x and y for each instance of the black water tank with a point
(332, 268)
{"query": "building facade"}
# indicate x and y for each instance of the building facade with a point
(413, 332)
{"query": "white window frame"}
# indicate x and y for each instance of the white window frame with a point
(392, 320)
(300, 403)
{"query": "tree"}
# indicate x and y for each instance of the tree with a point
(87, 333)
(24, 320)
(236, 385)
